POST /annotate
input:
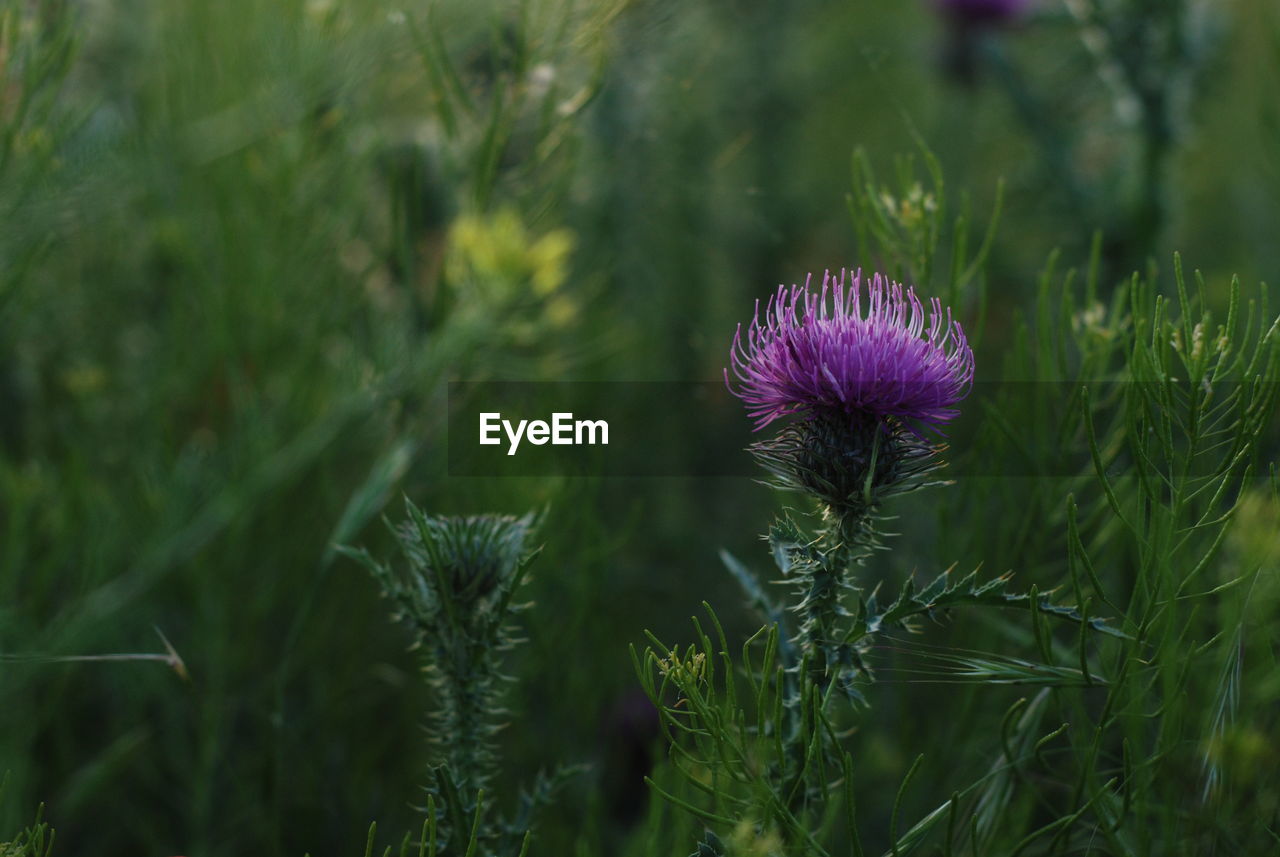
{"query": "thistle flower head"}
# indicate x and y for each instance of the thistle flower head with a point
(850, 348)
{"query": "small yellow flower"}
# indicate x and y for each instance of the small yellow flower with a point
(550, 256)
(499, 247)
(495, 257)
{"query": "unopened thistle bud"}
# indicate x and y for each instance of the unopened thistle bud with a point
(472, 557)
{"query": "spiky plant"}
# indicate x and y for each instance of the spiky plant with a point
(455, 590)
(866, 387)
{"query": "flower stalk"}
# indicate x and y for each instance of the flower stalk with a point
(863, 384)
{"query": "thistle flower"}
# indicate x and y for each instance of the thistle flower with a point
(823, 353)
(866, 380)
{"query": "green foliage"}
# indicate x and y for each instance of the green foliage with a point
(947, 591)
(38, 47)
(746, 744)
(36, 840)
(455, 590)
(225, 326)
(903, 226)
(247, 244)
(1143, 424)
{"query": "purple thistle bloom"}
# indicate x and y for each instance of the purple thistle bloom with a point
(819, 353)
(982, 11)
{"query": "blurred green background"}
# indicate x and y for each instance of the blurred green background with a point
(245, 245)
